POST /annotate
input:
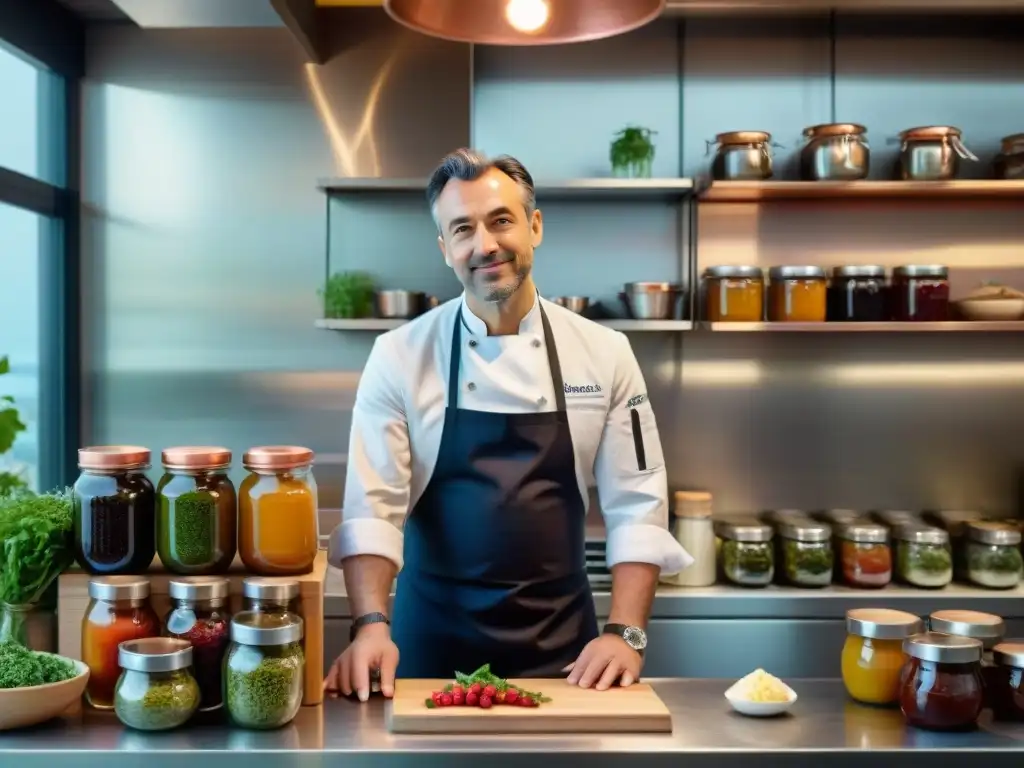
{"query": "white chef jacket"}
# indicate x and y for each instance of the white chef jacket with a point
(399, 410)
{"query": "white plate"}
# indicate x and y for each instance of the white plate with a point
(757, 708)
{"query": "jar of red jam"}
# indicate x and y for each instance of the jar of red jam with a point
(986, 627)
(1006, 684)
(920, 293)
(941, 687)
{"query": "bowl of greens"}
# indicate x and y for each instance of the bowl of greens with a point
(35, 686)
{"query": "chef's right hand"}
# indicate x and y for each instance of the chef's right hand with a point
(371, 650)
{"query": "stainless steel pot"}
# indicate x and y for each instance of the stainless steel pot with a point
(835, 152)
(932, 153)
(742, 156)
(651, 301)
(402, 305)
(577, 304)
(1009, 163)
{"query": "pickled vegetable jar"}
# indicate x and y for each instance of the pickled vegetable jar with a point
(923, 556)
(857, 295)
(118, 610)
(198, 514)
(264, 669)
(734, 294)
(986, 627)
(807, 553)
(941, 687)
(199, 615)
(115, 510)
(993, 554)
(156, 691)
(954, 522)
(797, 294)
(746, 554)
(873, 653)
(865, 555)
(1005, 687)
(278, 526)
(920, 293)
(269, 595)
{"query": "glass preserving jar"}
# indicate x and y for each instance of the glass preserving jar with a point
(199, 614)
(986, 627)
(118, 610)
(941, 687)
(746, 555)
(807, 554)
(156, 690)
(1005, 686)
(115, 507)
(923, 556)
(797, 295)
(873, 653)
(920, 293)
(734, 294)
(197, 514)
(278, 525)
(857, 295)
(865, 555)
(954, 522)
(264, 669)
(993, 554)
(269, 595)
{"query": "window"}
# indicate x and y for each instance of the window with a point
(31, 138)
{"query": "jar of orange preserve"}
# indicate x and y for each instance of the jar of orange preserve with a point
(278, 527)
(873, 654)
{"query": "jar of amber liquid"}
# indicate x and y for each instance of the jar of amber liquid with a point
(734, 294)
(941, 687)
(873, 653)
(798, 295)
(278, 527)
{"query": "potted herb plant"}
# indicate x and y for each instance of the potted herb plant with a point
(348, 295)
(10, 426)
(632, 152)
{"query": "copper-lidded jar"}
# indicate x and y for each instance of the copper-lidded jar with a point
(115, 510)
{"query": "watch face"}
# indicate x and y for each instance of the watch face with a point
(635, 637)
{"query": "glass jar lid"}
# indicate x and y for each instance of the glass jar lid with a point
(992, 532)
(155, 654)
(882, 623)
(113, 588)
(805, 530)
(270, 588)
(275, 457)
(943, 649)
(954, 521)
(921, 534)
(734, 270)
(981, 626)
(864, 533)
(797, 273)
(196, 457)
(265, 629)
(745, 530)
(1009, 654)
(198, 588)
(859, 270)
(113, 457)
(936, 271)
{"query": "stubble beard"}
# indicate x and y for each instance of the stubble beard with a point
(501, 294)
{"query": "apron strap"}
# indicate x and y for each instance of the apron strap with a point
(549, 347)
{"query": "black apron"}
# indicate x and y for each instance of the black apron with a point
(494, 548)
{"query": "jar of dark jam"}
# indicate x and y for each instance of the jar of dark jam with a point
(986, 627)
(857, 295)
(114, 510)
(941, 687)
(920, 293)
(1006, 685)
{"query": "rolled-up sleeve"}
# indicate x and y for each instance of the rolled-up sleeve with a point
(377, 480)
(632, 483)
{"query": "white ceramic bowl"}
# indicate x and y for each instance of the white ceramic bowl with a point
(735, 697)
(992, 309)
(24, 707)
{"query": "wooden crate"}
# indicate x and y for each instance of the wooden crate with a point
(73, 599)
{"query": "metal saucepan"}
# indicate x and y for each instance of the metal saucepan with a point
(402, 305)
(651, 301)
(577, 304)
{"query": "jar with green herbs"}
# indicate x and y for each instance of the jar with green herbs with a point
(807, 553)
(268, 594)
(156, 690)
(746, 556)
(993, 554)
(264, 669)
(923, 556)
(197, 518)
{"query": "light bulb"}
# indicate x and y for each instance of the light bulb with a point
(527, 15)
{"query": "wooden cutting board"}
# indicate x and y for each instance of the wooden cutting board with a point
(636, 709)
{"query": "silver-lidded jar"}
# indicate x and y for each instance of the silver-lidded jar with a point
(264, 669)
(156, 690)
(745, 554)
(835, 152)
(807, 554)
(742, 156)
(923, 556)
(932, 153)
(268, 594)
(993, 554)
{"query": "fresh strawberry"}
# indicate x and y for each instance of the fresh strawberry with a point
(472, 699)
(476, 688)
(526, 701)
(485, 702)
(489, 691)
(511, 695)
(457, 689)
(458, 699)
(446, 699)
(499, 697)
(436, 697)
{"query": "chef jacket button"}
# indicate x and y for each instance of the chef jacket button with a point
(472, 342)
(471, 386)
(536, 342)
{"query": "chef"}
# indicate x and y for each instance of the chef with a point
(476, 432)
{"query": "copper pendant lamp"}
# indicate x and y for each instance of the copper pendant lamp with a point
(523, 22)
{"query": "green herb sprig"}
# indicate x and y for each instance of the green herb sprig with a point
(36, 543)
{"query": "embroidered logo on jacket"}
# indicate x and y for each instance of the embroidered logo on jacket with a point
(583, 389)
(636, 400)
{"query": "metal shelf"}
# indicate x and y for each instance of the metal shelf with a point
(977, 326)
(758, 191)
(569, 189)
(384, 324)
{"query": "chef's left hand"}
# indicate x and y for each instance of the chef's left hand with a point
(604, 660)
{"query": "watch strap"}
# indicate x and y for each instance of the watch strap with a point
(369, 618)
(620, 631)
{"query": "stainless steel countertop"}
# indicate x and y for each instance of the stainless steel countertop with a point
(823, 724)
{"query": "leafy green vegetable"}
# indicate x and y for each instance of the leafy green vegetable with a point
(348, 295)
(813, 558)
(999, 559)
(10, 425)
(747, 558)
(36, 543)
(930, 558)
(22, 668)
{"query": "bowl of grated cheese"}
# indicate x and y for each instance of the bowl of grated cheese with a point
(760, 694)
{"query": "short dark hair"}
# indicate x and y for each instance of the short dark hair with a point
(468, 165)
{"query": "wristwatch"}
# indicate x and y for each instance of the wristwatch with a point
(635, 637)
(362, 621)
